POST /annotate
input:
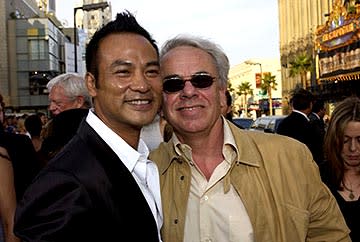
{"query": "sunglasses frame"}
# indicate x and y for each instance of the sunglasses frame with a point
(191, 79)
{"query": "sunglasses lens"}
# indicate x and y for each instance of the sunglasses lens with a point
(202, 81)
(173, 84)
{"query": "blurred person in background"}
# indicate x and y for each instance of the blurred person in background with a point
(7, 197)
(318, 126)
(33, 126)
(18, 167)
(43, 117)
(7, 187)
(226, 110)
(297, 124)
(67, 91)
(23, 157)
(20, 128)
(341, 171)
(159, 130)
(10, 123)
(221, 183)
(63, 128)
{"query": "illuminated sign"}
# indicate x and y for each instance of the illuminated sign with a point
(343, 30)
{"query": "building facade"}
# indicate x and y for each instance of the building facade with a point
(298, 21)
(36, 55)
(33, 52)
(13, 9)
(251, 71)
(35, 47)
(329, 32)
(10, 12)
(337, 47)
(92, 19)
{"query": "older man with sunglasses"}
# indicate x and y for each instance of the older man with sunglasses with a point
(220, 183)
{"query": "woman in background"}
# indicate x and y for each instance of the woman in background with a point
(341, 172)
(7, 187)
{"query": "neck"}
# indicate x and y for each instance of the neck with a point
(352, 171)
(206, 148)
(208, 140)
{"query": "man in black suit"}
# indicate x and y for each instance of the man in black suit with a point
(318, 125)
(297, 124)
(101, 187)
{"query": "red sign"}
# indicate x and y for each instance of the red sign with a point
(258, 80)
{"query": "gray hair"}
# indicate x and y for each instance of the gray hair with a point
(221, 61)
(73, 84)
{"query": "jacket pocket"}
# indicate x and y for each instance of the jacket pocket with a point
(296, 221)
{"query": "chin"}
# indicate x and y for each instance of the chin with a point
(144, 121)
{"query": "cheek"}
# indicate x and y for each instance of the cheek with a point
(72, 105)
(157, 87)
(168, 105)
(345, 149)
(169, 100)
(111, 85)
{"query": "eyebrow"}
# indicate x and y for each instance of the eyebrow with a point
(129, 63)
(153, 63)
(120, 63)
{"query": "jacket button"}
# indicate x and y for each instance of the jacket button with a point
(182, 177)
(176, 221)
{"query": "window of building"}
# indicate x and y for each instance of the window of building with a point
(37, 82)
(37, 49)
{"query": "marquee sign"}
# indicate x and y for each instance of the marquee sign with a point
(341, 29)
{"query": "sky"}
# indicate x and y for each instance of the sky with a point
(245, 29)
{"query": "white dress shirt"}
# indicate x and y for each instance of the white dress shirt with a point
(213, 215)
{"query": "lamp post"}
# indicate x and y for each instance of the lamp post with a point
(255, 63)
(87, 7)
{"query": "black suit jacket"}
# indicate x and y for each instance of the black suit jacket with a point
(295, 125)
(318, 127)
(24, 160)
(85, 194)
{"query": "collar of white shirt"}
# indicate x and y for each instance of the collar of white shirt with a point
(123, 150)
(303, 114)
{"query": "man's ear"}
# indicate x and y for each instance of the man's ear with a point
(80, 100)
(91, 84)
(223, 101)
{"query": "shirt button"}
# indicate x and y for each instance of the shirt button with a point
(206, 198)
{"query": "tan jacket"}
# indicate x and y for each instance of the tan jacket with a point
(278, 182)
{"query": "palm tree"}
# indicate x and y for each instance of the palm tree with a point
(301, 66)
(230, 88)
(268, 83)
(245, 89)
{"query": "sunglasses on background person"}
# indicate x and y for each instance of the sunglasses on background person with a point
(175, 83)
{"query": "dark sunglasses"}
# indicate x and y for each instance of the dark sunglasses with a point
(176, 83)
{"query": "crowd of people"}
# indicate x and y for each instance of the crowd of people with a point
(145, 140)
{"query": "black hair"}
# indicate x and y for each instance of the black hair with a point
(125, 22)
(301, 99)
(318, 105)
(33, 125)
(228, 98)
